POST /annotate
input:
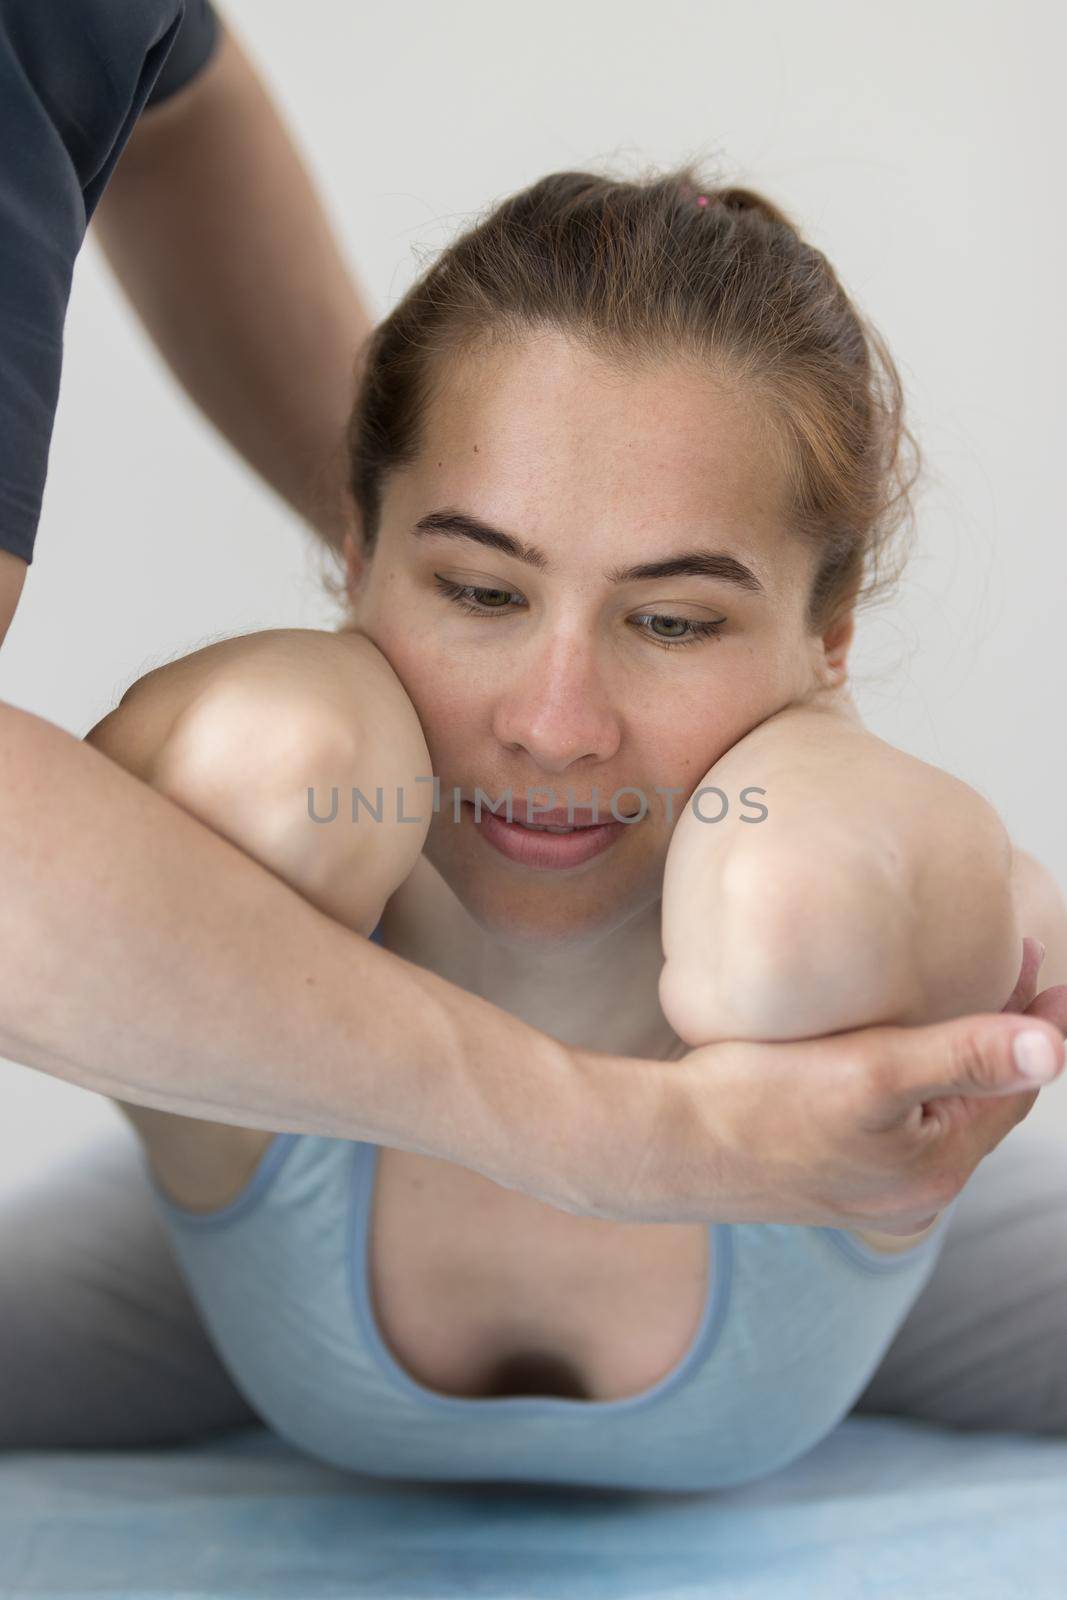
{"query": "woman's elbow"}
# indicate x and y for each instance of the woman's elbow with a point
(802, 950)
(313, 798)
(827, 944)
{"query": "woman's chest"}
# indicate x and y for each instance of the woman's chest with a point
(480, 1291)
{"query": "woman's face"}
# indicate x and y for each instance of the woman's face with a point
(567, 687)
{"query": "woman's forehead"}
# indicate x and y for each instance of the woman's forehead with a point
(553, 385)
(552, 430)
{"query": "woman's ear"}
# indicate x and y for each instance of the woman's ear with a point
(836, 643)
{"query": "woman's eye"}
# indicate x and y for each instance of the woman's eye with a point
(458, 593)
(697, 630)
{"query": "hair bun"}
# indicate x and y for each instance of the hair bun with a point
(740, 199)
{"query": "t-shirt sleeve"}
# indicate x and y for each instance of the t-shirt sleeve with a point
(193, 46)
(74, 77)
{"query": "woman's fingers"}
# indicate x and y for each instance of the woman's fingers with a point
(1051, 1005)
(1026, 985)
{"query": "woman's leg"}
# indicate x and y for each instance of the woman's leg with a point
(100, 1343)
(985, 1344)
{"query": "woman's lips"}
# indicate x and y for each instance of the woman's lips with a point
(553, 850)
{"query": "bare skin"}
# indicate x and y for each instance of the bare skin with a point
(438, 916)
(441, 1234)
(213, 228)
(222, 1013)
(13, 572)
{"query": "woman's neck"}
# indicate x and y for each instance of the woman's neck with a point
(604, 998)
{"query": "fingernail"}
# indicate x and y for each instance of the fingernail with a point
(1035, 1056)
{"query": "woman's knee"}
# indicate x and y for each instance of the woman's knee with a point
(100, 1342)
(982, 1347)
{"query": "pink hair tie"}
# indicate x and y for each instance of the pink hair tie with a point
(702, 199)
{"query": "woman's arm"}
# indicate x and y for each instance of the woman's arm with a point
(213, 228)
(238, 734)
(144, 956)
(877, 889)
(260, 735)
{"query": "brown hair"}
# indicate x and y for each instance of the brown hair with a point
(642, 271)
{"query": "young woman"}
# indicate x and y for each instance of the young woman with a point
(626, 462)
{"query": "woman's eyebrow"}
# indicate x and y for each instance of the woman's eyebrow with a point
(719, 564)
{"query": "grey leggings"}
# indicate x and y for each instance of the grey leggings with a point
(101, 1345)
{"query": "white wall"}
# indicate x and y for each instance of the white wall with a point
(919, 146)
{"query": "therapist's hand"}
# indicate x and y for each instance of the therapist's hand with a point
(877, 1129)
(1051, 1003)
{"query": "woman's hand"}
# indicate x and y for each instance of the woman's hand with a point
(1024, 995)
(878, 1128)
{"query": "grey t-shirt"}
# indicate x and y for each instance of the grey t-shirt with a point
(74, 77)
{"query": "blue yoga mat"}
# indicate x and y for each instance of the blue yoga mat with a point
(882, 1507)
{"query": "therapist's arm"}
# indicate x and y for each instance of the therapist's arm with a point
(214, 230)
(13, 572)
(145, 957)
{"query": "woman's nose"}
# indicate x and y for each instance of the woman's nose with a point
(556, 706)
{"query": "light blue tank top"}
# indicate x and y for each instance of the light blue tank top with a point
(795, 1321)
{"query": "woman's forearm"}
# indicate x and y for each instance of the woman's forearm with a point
(144, 956)
(213, 227)
(877, 890)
